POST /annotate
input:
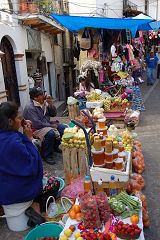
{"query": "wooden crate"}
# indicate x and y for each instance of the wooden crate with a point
(74, 161)
(104, 174)
(120, 186)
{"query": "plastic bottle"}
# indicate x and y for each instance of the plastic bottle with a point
(87, 184)
(112, 186)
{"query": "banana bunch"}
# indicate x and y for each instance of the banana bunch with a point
(93, 96)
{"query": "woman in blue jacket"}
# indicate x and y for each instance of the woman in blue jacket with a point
(21, 170)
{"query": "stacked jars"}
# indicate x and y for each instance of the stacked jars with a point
(98, 152)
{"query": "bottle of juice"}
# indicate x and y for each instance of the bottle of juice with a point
(112, 186)
(87, 184)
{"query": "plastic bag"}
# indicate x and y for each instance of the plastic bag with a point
(71, 100)
(138, 164)
(139, 179)
(73, 190)
(90, 213)
(103, 207)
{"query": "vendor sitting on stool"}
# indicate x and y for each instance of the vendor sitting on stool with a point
(39, 111)
(21, 170)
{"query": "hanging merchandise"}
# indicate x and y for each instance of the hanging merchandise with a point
(76, 49)
(85, 42)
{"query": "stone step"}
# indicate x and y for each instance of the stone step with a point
(60, 106)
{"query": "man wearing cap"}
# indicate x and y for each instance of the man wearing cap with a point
(39, 111)
(151, 61)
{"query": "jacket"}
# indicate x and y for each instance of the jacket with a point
(36, 115)
(21, 170)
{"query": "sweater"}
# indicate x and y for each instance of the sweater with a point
(21, 170)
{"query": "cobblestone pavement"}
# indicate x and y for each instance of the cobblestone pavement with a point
(149, 132)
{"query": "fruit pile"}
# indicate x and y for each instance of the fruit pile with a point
(75, 213)
(138, 158)
(94, 97)
(93, 235)
(115, 103)
(103, 207)
(68, 233)
(90, 213)
(74, 139)
(127, 231)
(127, 140)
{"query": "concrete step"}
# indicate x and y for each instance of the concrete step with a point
(60, 106)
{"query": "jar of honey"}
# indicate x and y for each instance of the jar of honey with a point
(97, 143)
(108, 157)
(108, 146)
(102, 123)
(119, 164)
(110, 165)
(98, 157)
(115, 144)
(122, 155)
(103, 130)
(115, 154)
(103, 139)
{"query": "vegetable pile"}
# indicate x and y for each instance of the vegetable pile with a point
(125, 205)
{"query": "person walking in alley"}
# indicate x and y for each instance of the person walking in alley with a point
(158, 66)
(151, 61)
(39, 111)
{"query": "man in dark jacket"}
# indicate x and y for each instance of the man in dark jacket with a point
(49, 132)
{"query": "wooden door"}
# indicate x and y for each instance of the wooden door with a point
(9, 71)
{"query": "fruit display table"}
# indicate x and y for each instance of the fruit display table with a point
(70, 222)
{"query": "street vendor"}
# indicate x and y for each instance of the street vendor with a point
(21, 170)
(85, 87)
(39, 111)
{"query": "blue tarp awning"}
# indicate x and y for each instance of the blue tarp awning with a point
(155, 25)
(76, 23)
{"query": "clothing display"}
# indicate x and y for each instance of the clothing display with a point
(42, 65)
(38, 78)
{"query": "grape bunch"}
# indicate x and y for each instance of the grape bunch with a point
(107, 104)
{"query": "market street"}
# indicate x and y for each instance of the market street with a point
(148, 132)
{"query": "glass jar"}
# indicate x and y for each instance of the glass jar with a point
(108, 157)
(103, 130)
(98, 157)
(119, 164)
(97, 143)
(109, 165)
(108, 146)
(115, 154)
(102, 122)
(122, 155)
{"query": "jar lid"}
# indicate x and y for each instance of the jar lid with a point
(119, 160)
(97, 152)
(103, 165)
(121, 154)
(102, 129)
(115, 151)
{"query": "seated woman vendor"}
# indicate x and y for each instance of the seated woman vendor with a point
(85, 87)
(21, 170)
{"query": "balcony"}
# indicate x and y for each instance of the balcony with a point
(35, 15)
(130, 9)
(68, 57)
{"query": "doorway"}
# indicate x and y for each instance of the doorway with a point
(9, 71)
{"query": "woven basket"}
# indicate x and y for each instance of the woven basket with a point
(64, 204)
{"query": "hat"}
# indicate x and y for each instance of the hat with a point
(35, 92)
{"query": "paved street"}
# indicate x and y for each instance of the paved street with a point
(149, 132)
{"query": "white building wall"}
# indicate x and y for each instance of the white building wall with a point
(82, 8)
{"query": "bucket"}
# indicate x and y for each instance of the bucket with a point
(15, 216)
(44, 230)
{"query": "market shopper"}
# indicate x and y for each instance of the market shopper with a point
(21, 168)
(151, 61)
(158, 66)
(39, 111)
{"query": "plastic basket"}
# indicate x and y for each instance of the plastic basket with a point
(44, 230)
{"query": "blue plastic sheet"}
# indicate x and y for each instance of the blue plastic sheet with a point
(76, 23)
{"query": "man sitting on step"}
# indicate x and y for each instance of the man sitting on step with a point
(39, 111)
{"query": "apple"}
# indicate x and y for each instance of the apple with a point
(68, 232)
(77, 235)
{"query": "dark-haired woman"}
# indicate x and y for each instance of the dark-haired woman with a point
(21, 170)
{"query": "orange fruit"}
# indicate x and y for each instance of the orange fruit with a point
(76, 208)
(72, 214)
(134, 219)
(78, 217)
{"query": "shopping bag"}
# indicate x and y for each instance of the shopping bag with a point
(85, 42)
